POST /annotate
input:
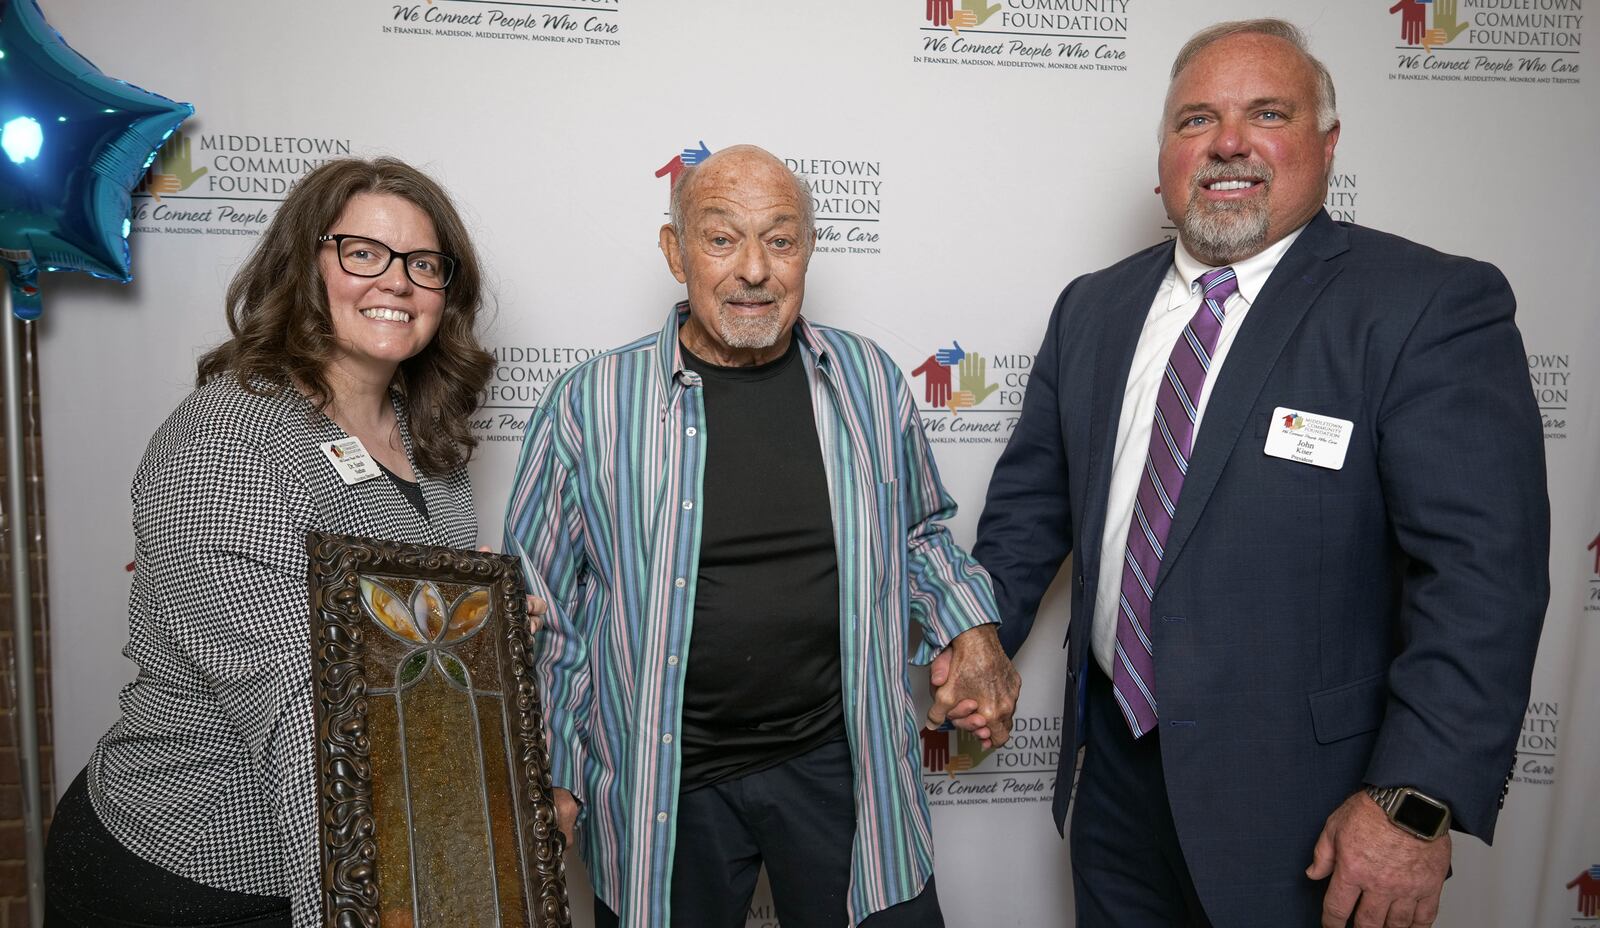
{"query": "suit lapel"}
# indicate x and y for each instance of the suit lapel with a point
(1120, 336)
(1299, 278)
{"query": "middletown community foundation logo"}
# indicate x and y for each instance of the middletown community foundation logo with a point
(970, 398)
(846, 196)
(1066, 35)
(958, 770)
(1508, 41)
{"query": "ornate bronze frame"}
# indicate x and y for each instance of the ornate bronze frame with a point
(347, 825)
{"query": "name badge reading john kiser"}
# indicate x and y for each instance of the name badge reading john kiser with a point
(349, 457)
(1308, 438)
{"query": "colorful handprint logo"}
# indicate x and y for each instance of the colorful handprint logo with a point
(938, 756)
(1294, 421)
(173, 169)
(1415, 29)
(969, 388)
(1588, 885)
(973, 13)
(684, 159)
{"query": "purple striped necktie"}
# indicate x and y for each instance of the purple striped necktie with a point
(1165, 464)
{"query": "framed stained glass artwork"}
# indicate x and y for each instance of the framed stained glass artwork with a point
(433, 774)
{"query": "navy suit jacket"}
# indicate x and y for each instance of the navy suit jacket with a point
(1314, 629)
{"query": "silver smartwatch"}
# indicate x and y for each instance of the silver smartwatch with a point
(1415, 813)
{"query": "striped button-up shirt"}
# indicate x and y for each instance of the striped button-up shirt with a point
(604, 514)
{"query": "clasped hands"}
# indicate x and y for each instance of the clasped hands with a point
(974, 686)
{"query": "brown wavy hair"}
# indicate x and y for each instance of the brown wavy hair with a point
(282, 332)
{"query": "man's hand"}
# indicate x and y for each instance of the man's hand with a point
(536, 609)
(974, 671)
(535, 606)
(1385, 877)
(566, 812)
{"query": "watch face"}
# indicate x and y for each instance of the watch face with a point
(1420, 815)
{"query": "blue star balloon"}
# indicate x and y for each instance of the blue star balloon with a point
(73, 143)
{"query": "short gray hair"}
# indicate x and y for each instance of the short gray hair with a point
(1327, 104)
(808, 214)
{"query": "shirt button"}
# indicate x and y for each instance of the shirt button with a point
(691, 431)
(680, 583)
(688, 504)
(672, 660)
(661, 816)
(666, 738)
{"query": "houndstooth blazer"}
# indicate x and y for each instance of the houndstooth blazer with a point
(211, 771)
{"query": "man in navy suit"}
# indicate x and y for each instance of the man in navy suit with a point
(1300, 471)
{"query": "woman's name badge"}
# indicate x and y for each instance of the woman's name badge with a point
(350, 458)
(1308, 438)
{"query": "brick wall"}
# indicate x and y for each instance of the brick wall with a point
(13, 873)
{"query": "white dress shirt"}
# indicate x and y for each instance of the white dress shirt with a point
(1176, 301)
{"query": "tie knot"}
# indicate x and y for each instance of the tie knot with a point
(1219, 284)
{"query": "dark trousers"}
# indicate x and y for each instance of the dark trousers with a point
(799, 819)
(1127, 868)
(92, 881)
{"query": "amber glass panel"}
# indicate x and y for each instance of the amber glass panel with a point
(391, 608)
(470, 611)
(450, 837)
(481, 654)
(389, 809)
(502, 813)
(381, 656)
(427, 610)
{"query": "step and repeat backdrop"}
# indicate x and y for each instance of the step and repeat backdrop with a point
(966, 164)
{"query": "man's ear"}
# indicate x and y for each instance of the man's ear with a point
(672, 249)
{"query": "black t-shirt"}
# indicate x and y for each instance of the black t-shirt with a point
(762, 683)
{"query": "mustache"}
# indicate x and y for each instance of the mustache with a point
(1232, 170)
(751, 295)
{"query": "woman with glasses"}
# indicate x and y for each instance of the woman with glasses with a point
(340, 403)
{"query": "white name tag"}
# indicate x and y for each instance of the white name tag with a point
(349, 457)
(1296, 435)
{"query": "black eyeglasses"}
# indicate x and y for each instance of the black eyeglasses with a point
(368, 257)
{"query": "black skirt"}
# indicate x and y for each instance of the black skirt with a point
(90, 879)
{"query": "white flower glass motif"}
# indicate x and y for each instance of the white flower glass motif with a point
(426, 622)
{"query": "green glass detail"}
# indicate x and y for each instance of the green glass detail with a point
(453, 668)
(412, 668)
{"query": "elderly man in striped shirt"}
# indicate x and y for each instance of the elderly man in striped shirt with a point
(737, 522)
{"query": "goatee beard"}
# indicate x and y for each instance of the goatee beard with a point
(1219, 233)
(741, 331)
